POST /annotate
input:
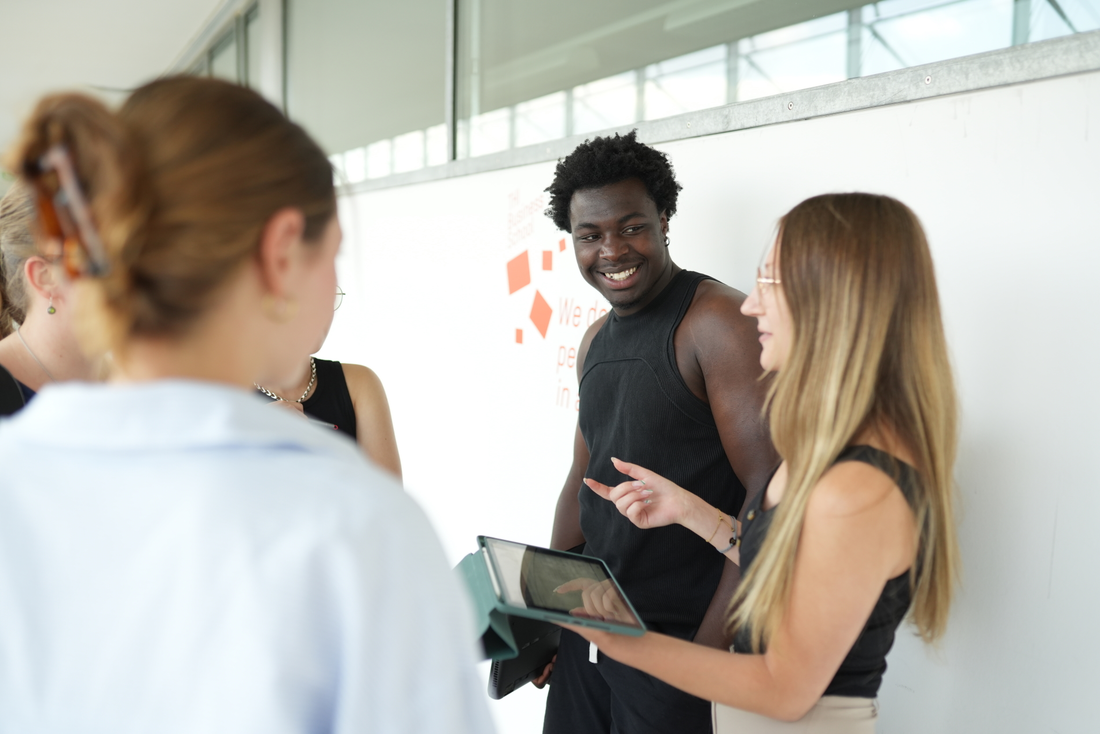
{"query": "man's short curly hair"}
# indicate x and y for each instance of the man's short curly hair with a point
(604, 161)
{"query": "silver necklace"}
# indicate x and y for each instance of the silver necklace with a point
(33, 355)
(273, 396)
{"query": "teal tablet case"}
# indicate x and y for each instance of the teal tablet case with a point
(492, 615)
(492, 624)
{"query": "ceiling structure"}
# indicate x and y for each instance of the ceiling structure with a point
(104, 47)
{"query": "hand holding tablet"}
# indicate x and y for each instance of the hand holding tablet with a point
(557, 586)
(521, 592)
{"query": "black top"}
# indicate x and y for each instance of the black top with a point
(331, 402)
(860, 674)
(634, 405)
(13, 393)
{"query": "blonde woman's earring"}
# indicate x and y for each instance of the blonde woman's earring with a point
(51, 310)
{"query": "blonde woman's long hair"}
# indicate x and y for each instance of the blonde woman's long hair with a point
(868, 350)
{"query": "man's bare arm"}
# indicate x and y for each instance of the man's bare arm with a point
(727, 353)
(727, 348)
(567, 515)
(712, 630)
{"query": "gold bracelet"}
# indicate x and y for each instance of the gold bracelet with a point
(721, 517)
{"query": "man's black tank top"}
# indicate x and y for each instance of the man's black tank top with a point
(634, 405)
(860, 674)
(331, 401)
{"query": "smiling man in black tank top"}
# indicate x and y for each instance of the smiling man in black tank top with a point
(669, 379)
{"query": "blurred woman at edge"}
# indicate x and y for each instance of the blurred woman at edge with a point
(857, 523)
(175, 556)
(37, 344)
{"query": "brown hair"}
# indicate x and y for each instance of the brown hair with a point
(180, 182)
(17, 244)
(868, 350)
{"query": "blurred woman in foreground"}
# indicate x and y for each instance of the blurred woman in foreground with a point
(174, 555)
(857, 524)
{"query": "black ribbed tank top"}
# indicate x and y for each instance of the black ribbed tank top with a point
(331, 402)
(860, 674)
(635, 405)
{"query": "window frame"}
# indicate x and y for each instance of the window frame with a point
(1078, 53)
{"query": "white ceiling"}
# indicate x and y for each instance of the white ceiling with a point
(88, 45)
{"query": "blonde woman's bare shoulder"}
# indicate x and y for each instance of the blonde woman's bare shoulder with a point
(866, 516)
(851, 488)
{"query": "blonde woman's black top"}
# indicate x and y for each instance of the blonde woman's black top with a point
(860, 673)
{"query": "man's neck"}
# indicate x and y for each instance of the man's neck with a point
(658, 288)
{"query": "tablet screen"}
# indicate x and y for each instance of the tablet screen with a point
(530, 577)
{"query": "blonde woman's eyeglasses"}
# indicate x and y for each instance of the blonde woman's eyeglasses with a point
(339, 298)
(764, 281)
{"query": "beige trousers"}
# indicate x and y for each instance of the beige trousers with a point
(830, 715)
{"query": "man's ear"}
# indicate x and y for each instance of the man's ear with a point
(664, 224)
(276, 254)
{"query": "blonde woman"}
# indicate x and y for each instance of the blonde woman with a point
(856, 528)
(37, 344)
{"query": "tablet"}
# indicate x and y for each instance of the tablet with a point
(557, 586)
(538, 643)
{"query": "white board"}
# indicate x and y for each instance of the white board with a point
(1006, 182)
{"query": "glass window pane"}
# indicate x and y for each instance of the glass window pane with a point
(686, 83)
(797, 57)
(223, 59)
(605, 103)
(540, 120)
(1050, 20)
(254, 72)
(528, 72)
(367, 80)
(939, 31)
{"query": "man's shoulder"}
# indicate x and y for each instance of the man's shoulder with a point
(718, 306)
(711, 287)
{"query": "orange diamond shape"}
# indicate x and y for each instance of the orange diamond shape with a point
(561, 245)
(519, 272)
(540, 314)
(547, 260)
(519, 336)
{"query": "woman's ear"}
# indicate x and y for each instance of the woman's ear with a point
(41, 277)
(276, 254)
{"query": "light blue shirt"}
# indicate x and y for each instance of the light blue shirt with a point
(177, 556)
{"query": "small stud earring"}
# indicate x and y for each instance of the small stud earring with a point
(51, 310)
(666, 240)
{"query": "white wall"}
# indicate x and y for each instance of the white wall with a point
(1006, 183)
